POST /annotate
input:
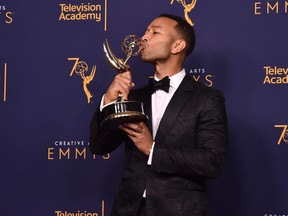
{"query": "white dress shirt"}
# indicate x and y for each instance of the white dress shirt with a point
(159, 102)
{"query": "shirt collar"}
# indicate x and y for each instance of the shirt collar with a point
(176, 79)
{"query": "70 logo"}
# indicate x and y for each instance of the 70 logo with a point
(284, 134)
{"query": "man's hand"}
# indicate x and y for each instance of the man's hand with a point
(140, 135)
(121, 84)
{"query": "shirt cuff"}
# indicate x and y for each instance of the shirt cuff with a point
(102, 106)
(149, 162)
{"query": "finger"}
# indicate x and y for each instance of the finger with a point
(112, 93)
(123, 89)
(117, 87)
(130, 132)
(142, 125)
(126, 74)
(133, 126)
(122, 81)
(127, 78)
(124, 85)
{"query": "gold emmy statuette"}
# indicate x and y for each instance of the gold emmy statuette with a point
(123, 110)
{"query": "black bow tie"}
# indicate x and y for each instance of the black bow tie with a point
(163, 84)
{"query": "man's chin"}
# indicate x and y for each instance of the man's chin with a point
(145, 59)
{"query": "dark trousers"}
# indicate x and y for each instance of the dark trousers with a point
(142, 208)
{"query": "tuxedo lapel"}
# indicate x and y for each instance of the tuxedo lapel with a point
(182, 94)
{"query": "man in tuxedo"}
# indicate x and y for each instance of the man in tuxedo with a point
(167, 158)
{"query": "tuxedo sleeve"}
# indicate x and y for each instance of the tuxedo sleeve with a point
(103, 141)
(209, 140)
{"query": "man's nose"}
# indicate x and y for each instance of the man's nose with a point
(145, 38)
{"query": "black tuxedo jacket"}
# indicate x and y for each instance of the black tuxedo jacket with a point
(190, 145)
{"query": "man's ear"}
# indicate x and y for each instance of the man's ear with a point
(178, 46)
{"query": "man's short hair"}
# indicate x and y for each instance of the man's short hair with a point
(184, 29)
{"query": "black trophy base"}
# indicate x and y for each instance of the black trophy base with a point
(122, 112)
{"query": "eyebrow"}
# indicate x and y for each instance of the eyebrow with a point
(156, 27)
(153, 27)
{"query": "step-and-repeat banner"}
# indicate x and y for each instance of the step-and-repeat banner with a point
(53, 72)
